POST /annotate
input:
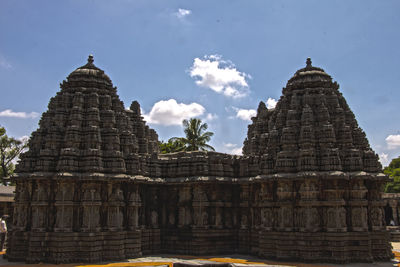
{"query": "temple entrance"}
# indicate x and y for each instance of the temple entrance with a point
(388, 214)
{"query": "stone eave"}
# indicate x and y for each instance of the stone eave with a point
(205, 178)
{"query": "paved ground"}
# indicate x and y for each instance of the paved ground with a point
(234, 260)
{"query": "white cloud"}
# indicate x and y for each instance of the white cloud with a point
(211, 117)
(182, 13)
(220, 76)
(384, 159)
(23, 138)
(393, 141)
(169, 112)
(4, 63)
(22, 115)
(245, 114)
(271, 103)
(232, 149)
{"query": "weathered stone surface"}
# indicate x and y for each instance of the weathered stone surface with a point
(92, 186)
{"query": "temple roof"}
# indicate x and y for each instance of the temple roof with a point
(89, 72)
(87, 129)
(311, 129)
(309, 74)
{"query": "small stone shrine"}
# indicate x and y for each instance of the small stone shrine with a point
(92, 186)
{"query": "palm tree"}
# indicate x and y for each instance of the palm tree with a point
(196, 135)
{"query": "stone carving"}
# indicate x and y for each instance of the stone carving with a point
(133, 208)
(267, 220)
(359, 218)
(336, 219)
(64, 207)
(92, 186)
(285, 218)
(243, 222)
(154, 219)
(91, 203)
(377, 218)
(308, 190)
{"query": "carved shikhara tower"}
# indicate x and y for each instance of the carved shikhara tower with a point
(93, 187)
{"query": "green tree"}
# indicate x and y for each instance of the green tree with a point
(393, 170)
(174, 144)
(10, 148)
(196, 135)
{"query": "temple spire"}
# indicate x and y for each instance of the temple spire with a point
(308, 62)
(90, 59)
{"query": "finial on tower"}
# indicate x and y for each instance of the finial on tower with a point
(90, 59)
(308, 62)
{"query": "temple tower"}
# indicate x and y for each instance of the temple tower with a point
(72, 182)
(327, 178)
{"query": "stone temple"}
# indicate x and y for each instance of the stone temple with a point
(93, 187)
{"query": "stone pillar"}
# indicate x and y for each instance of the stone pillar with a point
(115, 210)
(91, 202)
(200, 206)
(40, 206)
(133, 208)
(64, 207)
(21, 216)
(285, 212)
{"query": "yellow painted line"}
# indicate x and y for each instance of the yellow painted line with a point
(242, 261)
(230, 260)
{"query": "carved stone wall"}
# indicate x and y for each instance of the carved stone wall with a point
(92, 186)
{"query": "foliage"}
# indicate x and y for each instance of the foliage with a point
(10, 149)
(174, 144)
(196, 135)
(196, 138)
(393, 170)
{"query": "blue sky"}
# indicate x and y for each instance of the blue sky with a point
(211, 59)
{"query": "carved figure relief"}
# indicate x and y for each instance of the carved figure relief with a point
(171, 218)
(154, 219)
(184, 194)
(199, 194)
(265, 194)
(115, 217)
(91, 208)
(20, 216)
(39, 217)
(205, 218)
(184, 217)
(64, 217)
(359, 218)
(377, 217)
(91, 218)
(218, 217)
(313, 220)
(243, 221)
(40, 192)
(300, 218)
(266, 218)
(284, 191)
(308, 190)
(342, 217)
(359, 190)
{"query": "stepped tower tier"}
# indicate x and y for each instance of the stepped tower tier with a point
(87, 129)
(311, 129)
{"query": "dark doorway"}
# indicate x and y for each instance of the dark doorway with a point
(388, 214)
